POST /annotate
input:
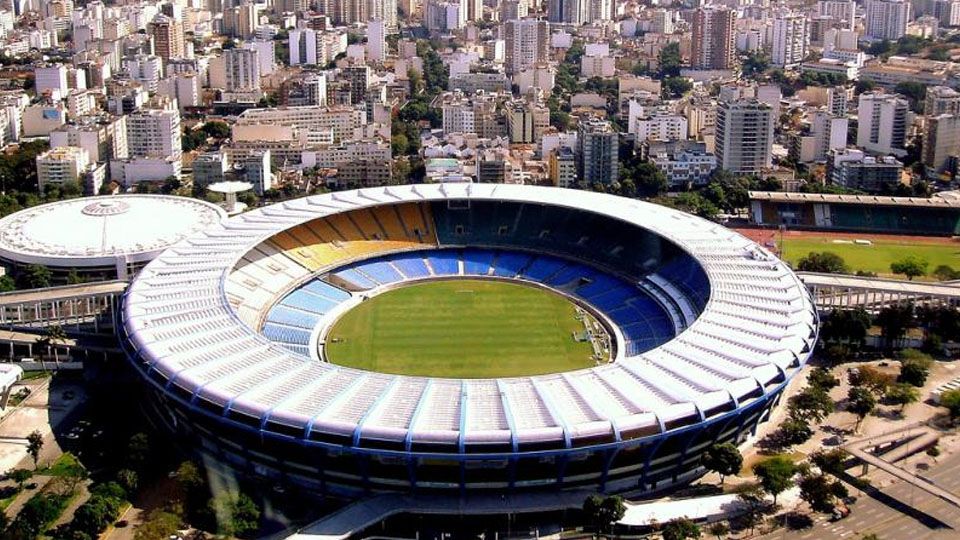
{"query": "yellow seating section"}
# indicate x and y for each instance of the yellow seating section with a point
(327, 241)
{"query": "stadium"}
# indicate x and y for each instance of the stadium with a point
(466, 338)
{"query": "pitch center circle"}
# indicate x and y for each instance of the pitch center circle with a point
(466, 328)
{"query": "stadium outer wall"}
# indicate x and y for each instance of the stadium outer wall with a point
(668, 455)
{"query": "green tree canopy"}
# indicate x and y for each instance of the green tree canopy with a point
(825, 262)
(775, 475)
(861, 402)
(910, 266)
(724, 459)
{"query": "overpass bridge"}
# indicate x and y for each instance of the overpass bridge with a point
(840, 291)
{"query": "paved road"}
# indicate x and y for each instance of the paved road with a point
(899, 511)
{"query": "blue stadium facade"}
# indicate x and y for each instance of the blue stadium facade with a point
(227, 329)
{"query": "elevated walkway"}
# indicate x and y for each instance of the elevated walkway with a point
(919, 437)
(832, 291)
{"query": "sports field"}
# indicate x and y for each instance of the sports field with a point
(461, 329)
(875, 257)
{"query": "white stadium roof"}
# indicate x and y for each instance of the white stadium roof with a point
(99, 231)
(759, 323)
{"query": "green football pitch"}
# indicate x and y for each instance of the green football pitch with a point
(461, 329)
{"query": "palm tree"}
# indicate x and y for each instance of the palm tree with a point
(52, 337)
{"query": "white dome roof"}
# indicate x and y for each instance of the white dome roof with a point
(97, 231)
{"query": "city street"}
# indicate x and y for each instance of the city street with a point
(898, 511)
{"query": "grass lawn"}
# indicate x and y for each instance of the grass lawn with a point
(876, 257)
(65, 465)
(461, 328)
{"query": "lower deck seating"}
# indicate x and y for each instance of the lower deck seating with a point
(643, 320)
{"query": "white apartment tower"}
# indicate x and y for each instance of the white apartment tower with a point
(527, 43)
(242, 70)
(886, 19)
(789, 39)
(377, 41)
(744, 135)
(154, 133)
(882, 123)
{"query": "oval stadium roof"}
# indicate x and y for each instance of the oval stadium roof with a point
(757, 329)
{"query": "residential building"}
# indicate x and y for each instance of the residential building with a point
(684, 163)
(526, 44)
(882, 123)
(597, 152)
(886, 19)
(145, 69)
(103, 137)
(941, 144)
(167, 36)
(744, 135)
(241, 70)
(526, 121)
(854, 169)
(789, 39)
(713, 38)
(153, 133)
(941, 100)
(51, 80)
(563, 167)
(61, 165)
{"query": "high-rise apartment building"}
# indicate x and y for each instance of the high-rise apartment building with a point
(526, 121)
(941, 100)
(376, 41)
(882, 123)
(241, 70)
(167, 36)
(145, 69)
(527, 43)
(303, 46)
(154, 133)
(713, 38)
(598, 147)
(563, 11)
(744, 135)
(886, 19)
(941, 143)
(789, 39)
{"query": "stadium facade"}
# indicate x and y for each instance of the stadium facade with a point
(227, 329)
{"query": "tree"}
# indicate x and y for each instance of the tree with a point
(20, 476)
(138, 450)
(188, 477)
(724, 459)
(128, 480)
(793, 431)
(821, 492)
(775, 475)
(894, 321)
(826, 262)
(871, 378)
(951, 400)
(719, 529)
(915, 92)
(603, 512)
(861, 402)
(830, 461)
(755, 63)
(845, 326)
(812, 404)
(680, 529)
(910, 266)
(35, 276)
(914, 367)
(945, 273)
(7, 283)
(74, 277)
(34, 446)
(669, 61)
(52, 336)
(902, 394)
(676, 87)
(822, 378)
(216, 129)
(237, 515)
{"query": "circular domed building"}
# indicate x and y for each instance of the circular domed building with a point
(109, 237)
